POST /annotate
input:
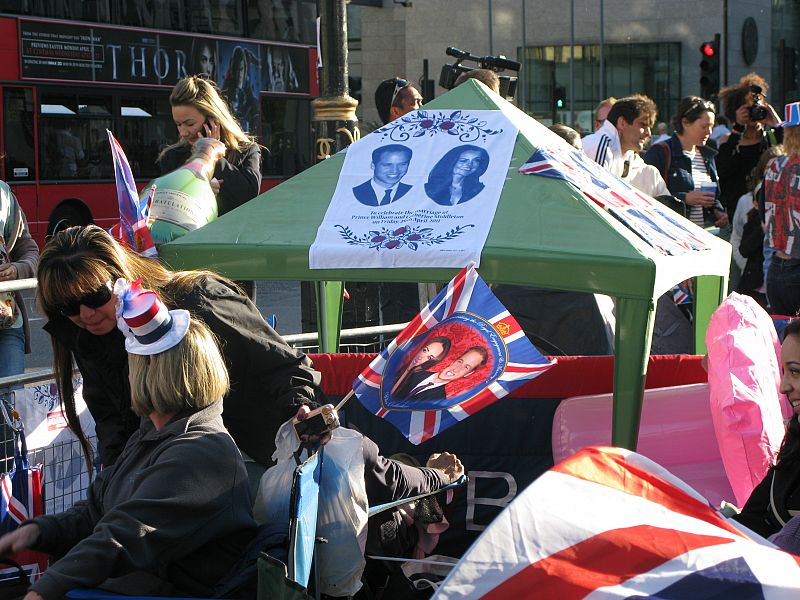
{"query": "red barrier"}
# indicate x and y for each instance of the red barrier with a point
(571, 376)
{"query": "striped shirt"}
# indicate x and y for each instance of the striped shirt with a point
(701, 178)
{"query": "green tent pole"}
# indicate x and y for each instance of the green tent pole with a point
(707, 297)
(634, 333)
(330, 302)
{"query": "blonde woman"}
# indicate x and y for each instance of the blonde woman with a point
(199, 111)
(173, 515)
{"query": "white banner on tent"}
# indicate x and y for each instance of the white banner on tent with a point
(421, 191)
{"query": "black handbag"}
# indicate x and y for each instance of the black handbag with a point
(13, 585)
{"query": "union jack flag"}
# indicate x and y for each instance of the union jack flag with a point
(610, 523)
(681, 294)
(462, 352)
(133, 213)
(656, 224)
(20, 489)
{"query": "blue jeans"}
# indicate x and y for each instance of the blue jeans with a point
(12, 351)
(783, 286)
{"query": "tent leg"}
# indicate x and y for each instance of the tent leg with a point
(329, 314)
(633, 337)
(709, 292)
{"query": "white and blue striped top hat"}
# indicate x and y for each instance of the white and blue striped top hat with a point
(792, 115)
(148, 326)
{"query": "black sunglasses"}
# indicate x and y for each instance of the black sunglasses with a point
(399, 85)
(94, 299)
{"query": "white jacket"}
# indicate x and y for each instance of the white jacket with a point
(604, 148)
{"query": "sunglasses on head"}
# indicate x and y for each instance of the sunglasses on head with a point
(94, 299)
(399, 85)
(698, 107)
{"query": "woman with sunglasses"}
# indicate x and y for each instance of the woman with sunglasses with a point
(687, 164)
(269, 379)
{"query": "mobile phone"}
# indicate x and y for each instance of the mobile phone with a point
(318, 422)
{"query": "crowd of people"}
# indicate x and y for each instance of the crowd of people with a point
(188, 385)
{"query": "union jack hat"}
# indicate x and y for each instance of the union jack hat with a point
(148, 326)
(792, 116)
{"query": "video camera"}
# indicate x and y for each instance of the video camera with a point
(758, 112)
(508, 83)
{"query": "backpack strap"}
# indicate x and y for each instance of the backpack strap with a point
(667, 159)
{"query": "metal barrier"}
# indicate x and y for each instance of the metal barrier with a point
(63, 462)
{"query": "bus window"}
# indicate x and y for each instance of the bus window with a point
(147, 126)
(214, 16)
(286, 123)
(73, 137)
(18, 118)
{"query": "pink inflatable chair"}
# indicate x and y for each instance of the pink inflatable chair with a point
(676, 431)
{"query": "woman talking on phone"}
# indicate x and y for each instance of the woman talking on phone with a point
(199, 111)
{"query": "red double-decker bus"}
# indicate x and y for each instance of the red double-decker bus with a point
(63, 83)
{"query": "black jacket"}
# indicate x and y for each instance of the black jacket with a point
(386, 480)
(269, 379)
(758, 513)
(676, 169)
(241, 178)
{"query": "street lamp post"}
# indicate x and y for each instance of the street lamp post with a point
(335, 126)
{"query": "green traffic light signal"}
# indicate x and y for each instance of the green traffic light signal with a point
(559, 103)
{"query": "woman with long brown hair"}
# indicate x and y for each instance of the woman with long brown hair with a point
(269, 379)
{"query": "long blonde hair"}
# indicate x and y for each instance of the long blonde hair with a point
(203, 94)
(791, 139)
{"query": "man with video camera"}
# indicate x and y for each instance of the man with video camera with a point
(754, 129)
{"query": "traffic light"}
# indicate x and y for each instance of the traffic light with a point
(560, 96)
(709, 68)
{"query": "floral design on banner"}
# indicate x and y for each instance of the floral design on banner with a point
(391, 239)
(423, 122)
(47, 394)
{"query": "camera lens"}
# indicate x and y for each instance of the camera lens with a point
(758, 112)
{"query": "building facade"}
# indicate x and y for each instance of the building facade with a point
(648, 46)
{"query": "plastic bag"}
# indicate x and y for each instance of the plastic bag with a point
(275, 488)
(342, 518)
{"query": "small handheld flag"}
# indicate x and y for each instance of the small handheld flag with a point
(463, 352)
(133, 214)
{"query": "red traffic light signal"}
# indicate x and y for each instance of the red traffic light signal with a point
(709, 68)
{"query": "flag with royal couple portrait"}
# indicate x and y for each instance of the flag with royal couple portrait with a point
(460, 354)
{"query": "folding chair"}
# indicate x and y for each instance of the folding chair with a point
(275, 580)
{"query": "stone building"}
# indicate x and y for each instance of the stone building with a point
(652, 47)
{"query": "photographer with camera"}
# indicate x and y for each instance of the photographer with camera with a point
(488, 72)
(745, 106)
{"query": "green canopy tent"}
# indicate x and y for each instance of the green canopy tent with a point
(545, 234)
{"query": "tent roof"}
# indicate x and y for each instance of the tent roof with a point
(545, 233)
